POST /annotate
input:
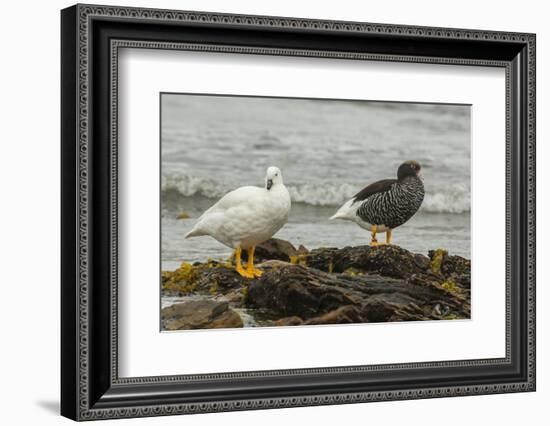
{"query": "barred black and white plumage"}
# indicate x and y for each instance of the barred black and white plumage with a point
(386, 204)
(394, 206)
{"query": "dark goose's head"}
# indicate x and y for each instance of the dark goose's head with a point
(409, 168)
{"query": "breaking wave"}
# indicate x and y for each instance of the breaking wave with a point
(454, 198)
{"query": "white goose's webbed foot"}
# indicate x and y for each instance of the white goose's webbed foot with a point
(250, 268)
(239, 267)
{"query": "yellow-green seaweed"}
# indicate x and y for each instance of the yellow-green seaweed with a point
(451, 286)
(437, 260)
(299, 259)
(353, 272)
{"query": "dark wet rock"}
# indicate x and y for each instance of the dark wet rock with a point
(286, 321)
(200, 314)
(421, 261)
(302, 250)
(458, 269)
(336, 286)
(202, 278)
(455, 270)
(455, 265)
(270, 265)
(277, 249)
(344, 315)
(235, 297)
(311, 294)
(391, 261)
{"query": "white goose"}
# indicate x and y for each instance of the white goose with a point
(246, 217)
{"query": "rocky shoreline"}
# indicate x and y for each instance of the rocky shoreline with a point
(322, 286)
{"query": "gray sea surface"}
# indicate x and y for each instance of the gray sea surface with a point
(327, 150)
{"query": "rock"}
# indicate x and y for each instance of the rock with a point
(457, 269)
(311, 294)
(344, 315)
(283, 292)
(455, 265)
(302, 250)
(277, 249)
(380, 309)
(390, 261)
(235, 297)
(454, 269)
(288, 321)
(200, 314)
(332, 286)
(203, 278)
(268, 265)
(423, 262)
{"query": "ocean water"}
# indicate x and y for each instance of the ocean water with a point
(327, 151)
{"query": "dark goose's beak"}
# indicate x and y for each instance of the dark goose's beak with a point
(269, 184)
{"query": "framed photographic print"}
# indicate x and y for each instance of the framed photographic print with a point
(263, 212)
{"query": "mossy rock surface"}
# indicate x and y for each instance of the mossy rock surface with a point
(388, 260)
(201, 278)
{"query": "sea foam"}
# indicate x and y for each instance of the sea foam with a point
(454, 198)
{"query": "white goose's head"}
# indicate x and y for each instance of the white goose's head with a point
(273, 177)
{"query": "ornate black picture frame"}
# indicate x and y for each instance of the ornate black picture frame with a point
(91, 36)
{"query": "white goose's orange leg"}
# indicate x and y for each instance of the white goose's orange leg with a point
(250, 268)
(238, 267)
(388, 236)
(373, 241)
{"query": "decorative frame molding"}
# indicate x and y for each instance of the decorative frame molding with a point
(91, 388)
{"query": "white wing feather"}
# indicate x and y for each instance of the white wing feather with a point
(238, 198)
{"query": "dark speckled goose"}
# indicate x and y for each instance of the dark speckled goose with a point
(384, 205)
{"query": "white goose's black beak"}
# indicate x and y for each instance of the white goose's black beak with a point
(269, 184)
